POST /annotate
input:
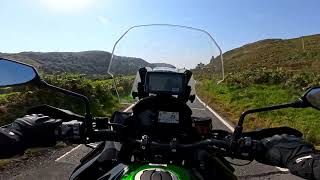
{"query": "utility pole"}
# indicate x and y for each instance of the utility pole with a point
(302, 41)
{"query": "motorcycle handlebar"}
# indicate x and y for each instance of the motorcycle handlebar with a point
(204, 144)
(74, 132)
(245, 148)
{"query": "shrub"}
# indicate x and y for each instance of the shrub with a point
(101, 94)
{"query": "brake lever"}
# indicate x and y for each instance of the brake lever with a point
(55, 112)
(269, 132)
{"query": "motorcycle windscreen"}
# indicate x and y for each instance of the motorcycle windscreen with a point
(164, 47)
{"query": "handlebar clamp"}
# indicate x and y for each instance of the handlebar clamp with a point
(144, 142)
(173, 145)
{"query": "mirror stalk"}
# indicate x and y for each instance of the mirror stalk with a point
(88, 115)
(296, 104)
(238, 129)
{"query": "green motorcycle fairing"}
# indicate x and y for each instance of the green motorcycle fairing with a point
(136, 170)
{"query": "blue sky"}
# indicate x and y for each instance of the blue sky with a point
(76, 25)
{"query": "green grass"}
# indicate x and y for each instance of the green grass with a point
(4, 97)
(232, 100)
(33, 152)
(5, 162)
(263, 73)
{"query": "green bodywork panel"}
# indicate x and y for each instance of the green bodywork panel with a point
(134, 169)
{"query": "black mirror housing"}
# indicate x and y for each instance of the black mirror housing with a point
(312, 97)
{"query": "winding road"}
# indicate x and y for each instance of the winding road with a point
(59, 163)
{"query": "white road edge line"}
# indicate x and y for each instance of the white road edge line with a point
(130, 107)
(216, 114)
(228, 125)
(77, 147)
(199, 109)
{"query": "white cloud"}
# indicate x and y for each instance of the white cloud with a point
(103, 20)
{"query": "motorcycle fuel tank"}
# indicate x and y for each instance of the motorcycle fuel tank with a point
(155, 172)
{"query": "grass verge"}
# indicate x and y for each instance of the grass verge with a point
(233, 100)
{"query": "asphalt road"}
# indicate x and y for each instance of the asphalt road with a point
(58, 164)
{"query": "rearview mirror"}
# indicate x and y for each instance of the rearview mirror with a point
(15, 73)
(312, 96)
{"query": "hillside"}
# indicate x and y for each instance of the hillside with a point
(276, 53)
(86, 62)
(263, 73)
